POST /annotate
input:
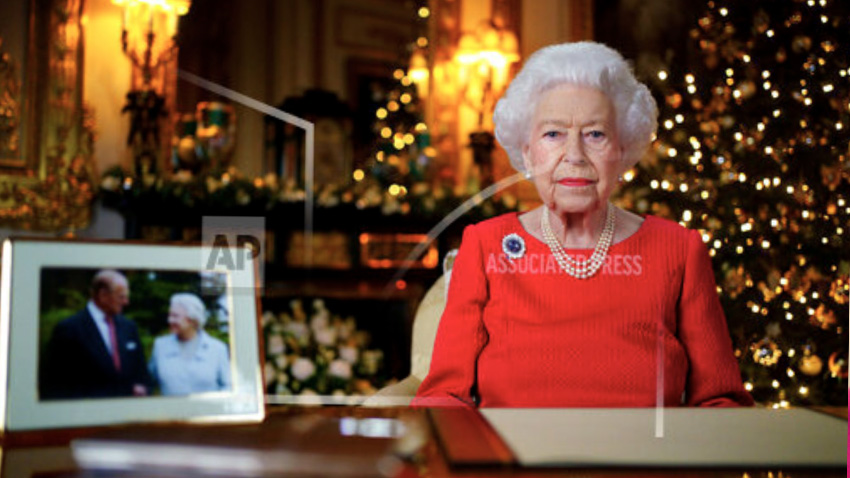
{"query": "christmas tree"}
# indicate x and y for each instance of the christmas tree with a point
(401, 143)
(400, 135)
(752, 151)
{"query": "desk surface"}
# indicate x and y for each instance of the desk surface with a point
(29, 462)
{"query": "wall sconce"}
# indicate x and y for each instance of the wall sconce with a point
(148, 33)
(484, 58)
(148, 30)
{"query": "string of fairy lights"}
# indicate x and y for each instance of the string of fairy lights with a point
(402, 139)
(756, 159)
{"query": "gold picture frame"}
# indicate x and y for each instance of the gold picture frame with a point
(46, 132)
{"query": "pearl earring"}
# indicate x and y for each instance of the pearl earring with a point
(528, 175)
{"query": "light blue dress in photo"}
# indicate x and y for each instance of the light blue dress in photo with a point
(204, 369)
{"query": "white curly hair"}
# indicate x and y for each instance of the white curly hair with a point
(585, 64)
(193, 305)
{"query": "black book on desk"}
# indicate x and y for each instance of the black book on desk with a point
(299, 445)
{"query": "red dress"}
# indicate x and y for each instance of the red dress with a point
(522, 333)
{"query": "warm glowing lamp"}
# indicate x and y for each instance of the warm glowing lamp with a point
(148, 31)
(419, 73)
(148, 38)
(484, 58)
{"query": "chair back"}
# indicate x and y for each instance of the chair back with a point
(427, 320)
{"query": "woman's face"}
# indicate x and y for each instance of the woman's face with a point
(573, 151)
(180, 324)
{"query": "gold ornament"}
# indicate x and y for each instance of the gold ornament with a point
(766, 352)
(810, 365)
(837, 366)
(823, 318)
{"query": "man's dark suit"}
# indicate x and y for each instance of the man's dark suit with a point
(77, 363)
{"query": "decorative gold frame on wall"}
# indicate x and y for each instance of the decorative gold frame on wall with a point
(48, 184)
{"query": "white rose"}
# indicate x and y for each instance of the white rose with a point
(326, 336)
(302, 369)
(320, 320)
(276, 345)
(349, 354)
(340, 368)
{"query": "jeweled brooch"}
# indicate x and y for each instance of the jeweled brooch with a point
(513, 245)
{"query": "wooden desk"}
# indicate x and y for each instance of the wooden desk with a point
(29, 462)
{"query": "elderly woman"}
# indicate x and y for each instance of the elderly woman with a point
(579, 303)
(189, 360)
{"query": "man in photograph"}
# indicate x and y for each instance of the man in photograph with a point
(96, 352)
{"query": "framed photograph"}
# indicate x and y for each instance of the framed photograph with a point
(100, 333)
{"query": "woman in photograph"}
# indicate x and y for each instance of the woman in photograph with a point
(579, 303)
(189, 360)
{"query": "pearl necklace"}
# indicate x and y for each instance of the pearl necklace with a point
(580, 268)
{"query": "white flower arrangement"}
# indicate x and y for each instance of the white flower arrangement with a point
(323, 354)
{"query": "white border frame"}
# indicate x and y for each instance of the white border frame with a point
(20, 289)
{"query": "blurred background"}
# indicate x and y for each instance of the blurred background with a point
(111, 127)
